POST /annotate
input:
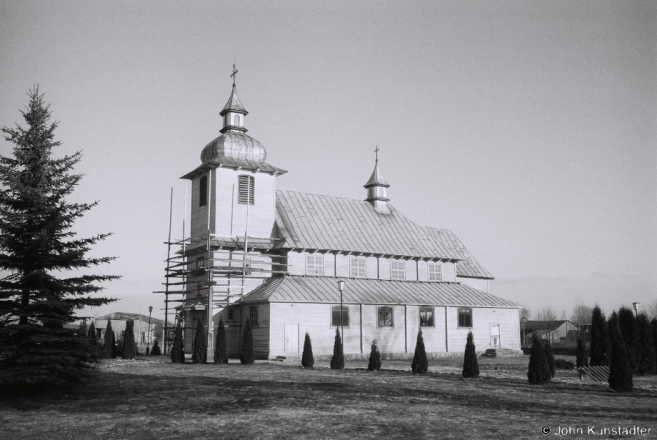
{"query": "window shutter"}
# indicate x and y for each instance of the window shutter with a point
(245, 190)
(203, 191)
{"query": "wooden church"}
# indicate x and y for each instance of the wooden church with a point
(276, 258)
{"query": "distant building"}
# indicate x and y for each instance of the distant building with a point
(558, 331)
(119, 321)
(400, 277)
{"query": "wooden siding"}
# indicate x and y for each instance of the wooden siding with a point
(260, 333)
(482, 318)
(475, 283)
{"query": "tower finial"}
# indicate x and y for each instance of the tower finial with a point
(376, 152)
(234, 74)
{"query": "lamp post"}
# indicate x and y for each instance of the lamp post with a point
(636, 309)
(150, 310)
(341, 289)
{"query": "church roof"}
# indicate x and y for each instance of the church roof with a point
(234, 104)
(468, 266)
(373, 291)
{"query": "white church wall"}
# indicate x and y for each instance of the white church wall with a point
(329, 265)
(475, 283)
(384, 268)
(423, 274)
(296, 262)
(372, 267)
(482, 319)
(342, 265)
(199, 214)
(411, 270)
(449, 272)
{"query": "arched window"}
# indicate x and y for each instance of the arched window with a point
(385, 317)
(426, 317)
(236, 119)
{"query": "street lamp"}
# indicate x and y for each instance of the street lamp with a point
(341, 289)
(636, 309)
(150, 310)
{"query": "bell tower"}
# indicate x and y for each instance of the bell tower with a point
(377, 188)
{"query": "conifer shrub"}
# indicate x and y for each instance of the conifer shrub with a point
(539, 370)
(220, 351)
(247, 355)
(116, 352)
(470, 364)
(600, 348)
(420, 364)
(307, 359)
(177, 353)
(374, 363)
(582, 358)
(647, 345)
(129, 350)
(630, 331)
(109, 340)
(620, 372)
(653, 325)
(156, 351)
(92, 334)
(549, 356)
(83, 328)
(148, 351)
(337, 360)
(199, 345)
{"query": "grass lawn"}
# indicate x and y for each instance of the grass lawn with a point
(153, 399)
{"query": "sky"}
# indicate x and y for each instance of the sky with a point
(528, 128)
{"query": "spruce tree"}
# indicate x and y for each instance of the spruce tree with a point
(307, 359)
(549, 357)
(92, 334)
(177, 353)
(337, 361)
(200, 345)
(600, 345)
(539, 370)
(630, 331)
(620, 372)
(129, 350)
(156, 351)
(470, 364)
(647, 345)
(109, 341)
(247, 356)
(582, 359)
(420, 364)
(374, 363)
(220, 355)
(37, 247)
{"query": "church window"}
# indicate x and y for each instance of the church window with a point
(398, 270)
(200, 265)
(245, 189)
(426, 317)
(435, 272)
(314, 264)
(203, 191)
(385, 317)
(253, 315)
(465, 317)
(231, 314)
(358, 267)
(335, 316)
(236, 119)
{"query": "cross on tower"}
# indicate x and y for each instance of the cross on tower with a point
(376, 152)
(234, 74)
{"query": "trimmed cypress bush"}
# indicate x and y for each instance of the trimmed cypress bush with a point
(129, 350)
(109, 341)
(374, 363)
(539, 370)
(620, 372)
(199, 345)
(630, 331)
(582, 359)
(307, 359)
(177, 353)
(647, 345)
(247, 355)
(549, 356)
(92, 334)
(220, 356)
(148, 351)
(156, 351)
(420, 363)
(470, 364)
(337, 360)
(600, 344)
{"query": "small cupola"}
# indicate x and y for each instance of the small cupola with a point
(377, 188)
(233, 112)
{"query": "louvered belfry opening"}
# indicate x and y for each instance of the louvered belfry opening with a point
(245, 190)
(203, 191)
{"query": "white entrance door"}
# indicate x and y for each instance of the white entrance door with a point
(495, 335)
(292, 339)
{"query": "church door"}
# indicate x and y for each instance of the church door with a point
(495, 335)
(292, 339)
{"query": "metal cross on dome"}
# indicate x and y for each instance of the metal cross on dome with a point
(376, 152)
(234, 74)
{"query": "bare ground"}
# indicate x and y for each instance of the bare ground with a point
(153, 399)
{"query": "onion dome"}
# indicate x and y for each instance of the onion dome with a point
(234, 147)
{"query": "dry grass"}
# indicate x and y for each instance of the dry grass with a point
(148, 399)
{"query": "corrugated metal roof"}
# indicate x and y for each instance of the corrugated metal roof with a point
(468, 266)
(370, 291)
(333, 223)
